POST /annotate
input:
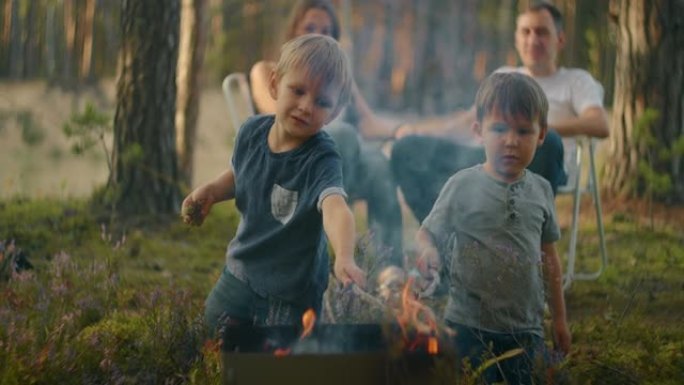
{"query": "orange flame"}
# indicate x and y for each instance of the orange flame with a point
(280, 352)
(308, 321)
(416, 317)
(433, 346)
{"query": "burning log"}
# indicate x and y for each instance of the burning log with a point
(331, 355)
(391, 281)
(366, 297)
(409, 348)
(412, 349)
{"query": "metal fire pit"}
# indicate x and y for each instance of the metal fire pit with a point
(331, 355)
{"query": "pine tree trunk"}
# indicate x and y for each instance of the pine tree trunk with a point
(648, 109)
(69, 42)
(50, 41)
(15, 62)
(429, 65)
(6, 34)
(415, 83)
(145, 163)
(30, 43)
(384, 70)
(88, 30)
(502, 48)
(6, 21)
(190, 58)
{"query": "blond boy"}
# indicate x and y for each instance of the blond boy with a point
(286, 179)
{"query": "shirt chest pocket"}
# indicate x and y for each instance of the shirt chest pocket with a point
(283, 203)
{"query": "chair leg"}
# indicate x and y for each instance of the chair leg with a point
(594, 190)
(574, 229)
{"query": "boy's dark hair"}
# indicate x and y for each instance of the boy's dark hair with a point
(512, 94)
(555, 13)
(322, 58)
(299, 10)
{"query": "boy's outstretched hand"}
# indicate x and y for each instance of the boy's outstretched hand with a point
(197, 205)
(348, 272)
(194, 210)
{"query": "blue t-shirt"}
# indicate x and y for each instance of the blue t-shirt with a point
(280, 248)
(491, 233)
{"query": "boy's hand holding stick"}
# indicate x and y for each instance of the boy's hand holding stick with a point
(428, 264)
(348, 272)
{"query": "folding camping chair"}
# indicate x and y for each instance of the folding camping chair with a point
(238, 98)
(577, 185)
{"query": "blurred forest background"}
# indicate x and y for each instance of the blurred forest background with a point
(411, 58)
(423, 57)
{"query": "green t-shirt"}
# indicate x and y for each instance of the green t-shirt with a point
(490, 234)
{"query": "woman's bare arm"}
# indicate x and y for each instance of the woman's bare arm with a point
(259, 78)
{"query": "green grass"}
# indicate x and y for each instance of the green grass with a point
(627, 325)
(123, 304)
(105, 305)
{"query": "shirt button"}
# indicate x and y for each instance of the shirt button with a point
(511, 201)
(512, 216)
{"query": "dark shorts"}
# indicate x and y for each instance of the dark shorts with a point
(233, 302)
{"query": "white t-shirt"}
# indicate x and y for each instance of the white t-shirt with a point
(570, 91)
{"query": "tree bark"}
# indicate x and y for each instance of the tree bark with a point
(190, 58)
(50, 41)
(6, 36)
(6, 21)
(446, 81)
(15, 63)
(69, 41)
(88, 30)
(648, 109)
(145, 162)
(384, 70)
(30, 42)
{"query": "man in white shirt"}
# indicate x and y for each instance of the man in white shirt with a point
(430, 151)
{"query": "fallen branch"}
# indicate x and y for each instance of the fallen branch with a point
(367, 297)
(327, 307)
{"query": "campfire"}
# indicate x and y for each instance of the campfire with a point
(407, 348)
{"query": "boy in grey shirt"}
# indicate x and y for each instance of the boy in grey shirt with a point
(495, 223)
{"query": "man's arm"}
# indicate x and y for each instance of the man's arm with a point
(592, 122)
(455, 126)
(371, 126)
(338, 223)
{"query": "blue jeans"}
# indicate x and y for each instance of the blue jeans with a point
(421, 165)
(478, 346)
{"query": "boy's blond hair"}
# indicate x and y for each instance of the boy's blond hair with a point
(323, 60)
(512, 94)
